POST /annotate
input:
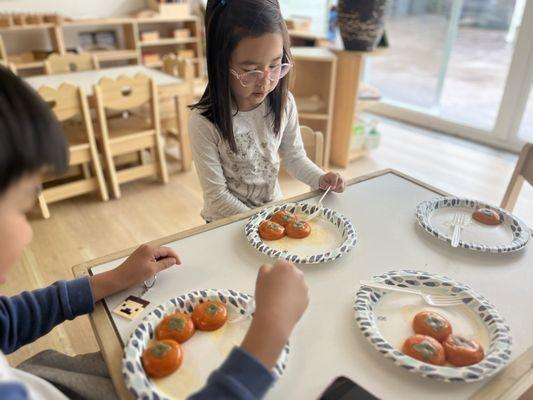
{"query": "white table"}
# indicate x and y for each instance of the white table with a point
(169, 88)
(381, 208)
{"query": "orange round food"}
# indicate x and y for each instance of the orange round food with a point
(269, 230)
(487, 216)
(162, 358)
(178, 327)
(283, 217)
(461, 351)
(298, 230)
(424, 348)
(209, 316)
(432, 324)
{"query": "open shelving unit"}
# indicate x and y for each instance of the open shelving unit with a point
(314, 76)
(131, 48)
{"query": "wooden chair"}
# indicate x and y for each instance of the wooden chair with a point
(70, 62)
(313, 144)
(69, 104)
(522, 172)
(133, 134)
(179, 66)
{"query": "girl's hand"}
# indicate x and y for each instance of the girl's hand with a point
(145, 262)
(281, 297)
(332, 180)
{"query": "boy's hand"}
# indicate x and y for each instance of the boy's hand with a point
(333, 180)
(281, 297)
(145, 262)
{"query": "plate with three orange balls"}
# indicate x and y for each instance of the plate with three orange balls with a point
(172, 351)
(284, 232)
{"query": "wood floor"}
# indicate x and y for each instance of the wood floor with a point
(85, 228)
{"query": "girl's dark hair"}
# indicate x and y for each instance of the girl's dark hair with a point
(227, 23)
(30, 135)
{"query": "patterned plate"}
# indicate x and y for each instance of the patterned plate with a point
(140, 385)
(385, 334)
(338, 223)
(511, 235)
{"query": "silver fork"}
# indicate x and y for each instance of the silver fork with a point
(435, 300)
(458, 223)
(319, 207)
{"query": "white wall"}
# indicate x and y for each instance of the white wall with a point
(74, 8)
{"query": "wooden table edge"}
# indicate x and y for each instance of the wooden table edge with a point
(512, 381)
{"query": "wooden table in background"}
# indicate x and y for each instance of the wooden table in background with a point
(327, 342)
(169, 89)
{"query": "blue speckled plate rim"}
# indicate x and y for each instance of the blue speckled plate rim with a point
(145, 387)
(520, 237)
(496, 357)
(336, 218)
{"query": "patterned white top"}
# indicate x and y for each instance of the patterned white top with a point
(236, 182)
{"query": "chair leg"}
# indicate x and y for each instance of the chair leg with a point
(513, 190)
(44, 207)
(104, 195)
(86, 170)
(160, 158)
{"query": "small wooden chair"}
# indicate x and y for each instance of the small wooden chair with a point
(180, 67)
(69, 104)
(70, 62)
(522, 172)
(313, 144)
(133, 134)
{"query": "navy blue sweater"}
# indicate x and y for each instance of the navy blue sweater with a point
(30, 315)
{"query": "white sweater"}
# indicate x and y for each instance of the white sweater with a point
(236, 182)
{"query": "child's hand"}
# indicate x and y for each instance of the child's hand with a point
(332, 180)
(281, 297)
(145, 262)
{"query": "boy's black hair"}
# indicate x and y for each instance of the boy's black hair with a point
(227, 23)
(31, 137)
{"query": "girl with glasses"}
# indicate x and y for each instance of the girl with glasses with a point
(246, 118)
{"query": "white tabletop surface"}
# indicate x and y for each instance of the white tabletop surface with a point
(87, 79)
(327, 342)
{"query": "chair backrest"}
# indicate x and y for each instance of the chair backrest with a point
(125, 92)
(3, 53)
(70, 62)
(523, 172)
(64, 101)
(313, 144)
(180, 67)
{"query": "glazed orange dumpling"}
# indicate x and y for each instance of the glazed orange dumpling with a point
(178, 327)
(432, 324)
(209, 316)
(283, 217)
(487, 216)
(461, 351)
(298, 230)
(424, 348)
(269, 230)
(161, 358)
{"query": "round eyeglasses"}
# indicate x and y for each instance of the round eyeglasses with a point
(252, 78)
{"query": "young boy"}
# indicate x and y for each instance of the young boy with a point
(31, 139)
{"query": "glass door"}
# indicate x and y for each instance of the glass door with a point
(459, 66)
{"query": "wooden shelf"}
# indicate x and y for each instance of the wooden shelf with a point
(158, 20)
(30, 65)
(168, 41)
(312, 53)
(312, 115)
(99, 21)
(115, 55)
(26, 27)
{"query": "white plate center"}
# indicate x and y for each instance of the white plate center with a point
(474, 232)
